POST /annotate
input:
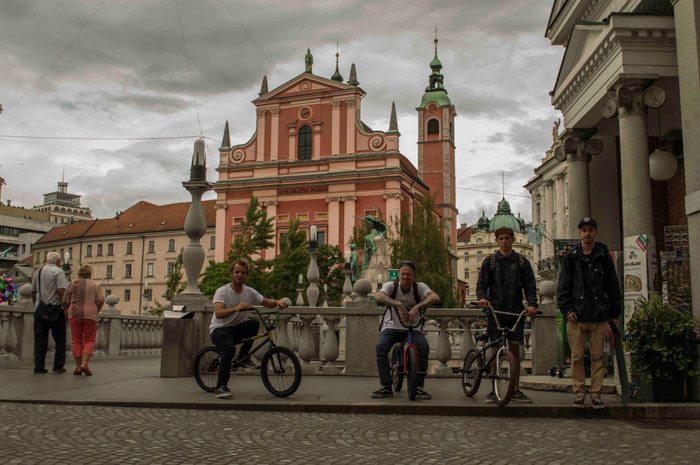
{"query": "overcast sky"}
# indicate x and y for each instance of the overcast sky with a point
(126, 76)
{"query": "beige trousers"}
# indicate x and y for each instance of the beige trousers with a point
(595, 333)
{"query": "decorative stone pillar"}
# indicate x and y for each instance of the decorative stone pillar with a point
(312, 274)
(220, 232)
(536, 197)
(467, 341)
(350, 126)
(274, 133)
(260, 148)
(444, 351)
(335, 127)
(271, 211)
(559, 186)
(549, 218)
(330, 349)
(543, 336)
(578, 192)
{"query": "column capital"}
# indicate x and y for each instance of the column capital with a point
(333, 199)
(349, 103)
(349, 198)
(275, 112)
(392, 195)
(336, 104)
(261, 113)
(269, 203)
(630, 96)
(221, 206)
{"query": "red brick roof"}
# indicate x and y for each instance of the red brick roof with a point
(142, 217)
(463, 234)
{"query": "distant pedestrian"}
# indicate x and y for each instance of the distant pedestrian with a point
(83, 301)
(504, 278)
(48, 286)
(589, 297)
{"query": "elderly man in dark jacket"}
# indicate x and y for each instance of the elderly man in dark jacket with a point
(589, 297)
(503, 278)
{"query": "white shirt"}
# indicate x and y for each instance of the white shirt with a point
(52, 279)
(230, 298)
(391, 317)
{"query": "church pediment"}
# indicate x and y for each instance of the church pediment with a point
(302, 85)
(584, 39)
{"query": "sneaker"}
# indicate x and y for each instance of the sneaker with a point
(597, 402)
(383, 392)
(491, 398)
(421, 394)
(58, 370)
(40, 371)
(518, 396)
(223, 393)
(579, 401)
(248, 363)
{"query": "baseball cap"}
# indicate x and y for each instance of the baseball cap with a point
(587, 220)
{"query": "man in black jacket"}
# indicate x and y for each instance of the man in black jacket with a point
(503, 277)
(589, 296)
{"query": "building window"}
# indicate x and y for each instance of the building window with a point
(479, 240)
(110, 249)
(108, 292)
(151, 246)
(149, 270)
(99, 250)
(303, 217)
(466, 274)
(171, 245)
(127, 295)
(304, 143)
(433, 127)
(88, 251)
(46, 252)
(108, 272)
(283, 218)
(70, 252)
(466, 256)
(479, 256)
(321, 216)
(171, 268)
(148, 294)
(374, 213)
(129, 248)
(212, 242)
(321, 237)
(127, 270)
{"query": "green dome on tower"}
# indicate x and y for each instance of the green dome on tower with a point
(483, 223)
(504, 218)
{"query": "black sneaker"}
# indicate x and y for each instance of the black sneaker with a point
(491, 398)
(518, 396)
(58, 370)
(383, 392)
(421, 394)
(40, 371)
(223, 393)
(597, 402)
(248, 363)
(579, 401)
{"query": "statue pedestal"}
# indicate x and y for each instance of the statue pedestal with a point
(380, 262)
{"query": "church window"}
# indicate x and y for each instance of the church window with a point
(433, 127)
(479, 241)
(304, 144)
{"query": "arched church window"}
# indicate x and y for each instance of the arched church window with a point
(304, 143)
(433, 127)
(479, 241)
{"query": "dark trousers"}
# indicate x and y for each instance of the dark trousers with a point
(41, 342)
(387, 339)
(225, 340)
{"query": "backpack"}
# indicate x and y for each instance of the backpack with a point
(521, 264)
(416, 297)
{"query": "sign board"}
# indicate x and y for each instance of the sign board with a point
(393, 274)
(639, 269)
(561, 247)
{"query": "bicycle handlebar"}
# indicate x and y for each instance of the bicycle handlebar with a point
(419, 323)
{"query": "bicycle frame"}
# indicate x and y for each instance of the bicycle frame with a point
(502, 341)
(269, 327)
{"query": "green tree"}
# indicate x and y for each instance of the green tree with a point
(174, 285)
(422, 241)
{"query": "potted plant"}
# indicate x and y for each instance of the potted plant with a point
(661, 342)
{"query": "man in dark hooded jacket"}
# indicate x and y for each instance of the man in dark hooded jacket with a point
(589, 297)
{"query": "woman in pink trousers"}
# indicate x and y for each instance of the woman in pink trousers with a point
(82, 302)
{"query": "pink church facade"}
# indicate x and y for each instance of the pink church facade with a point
(312, 159)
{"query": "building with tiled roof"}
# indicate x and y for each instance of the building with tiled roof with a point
(133, 254)
(64, 207)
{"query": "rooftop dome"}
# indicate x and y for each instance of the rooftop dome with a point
(483, 223)
(504, 218)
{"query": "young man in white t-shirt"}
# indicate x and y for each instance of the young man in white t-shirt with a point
(229, 325)
(402, 307)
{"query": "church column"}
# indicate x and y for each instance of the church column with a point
(393, 209)
(549, 218)
(220, 232)
(271, 210)
(535, 222)
(292, 133)
(578, 191)
(274, 133)
(334, 221)
(260, 148)
(634, 160)
(317, 141)
(350, 124)
(559, 199)
(349, 220)
(335, 128)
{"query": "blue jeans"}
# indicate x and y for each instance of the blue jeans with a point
(387, 339)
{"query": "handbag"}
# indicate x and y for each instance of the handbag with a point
(46, 313)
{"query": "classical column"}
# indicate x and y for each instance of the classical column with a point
(260, 146)
(634, 160)
(686, 14)
(348, 220)
(392, 208)
(220, 240)
(350, 126)
(274, 133)
(335, 128)
(578, 192)
(271, 210)
(535, 223)
(549, 218)
(292, 134)
(317, 141)
(559, 185)
(334, 221)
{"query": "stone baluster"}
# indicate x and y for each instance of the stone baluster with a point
(100, 336)
(467, 340)
(3, 331)
(307, 348)
(281, 333)
(347, 285)
(330, 349)
(25, 350)
(11, 335)
(300, 296)
(312, 274)
(296, 333)
(324, 296)
(444, 351)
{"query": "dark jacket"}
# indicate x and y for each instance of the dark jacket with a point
(589, 287)
(502, 281)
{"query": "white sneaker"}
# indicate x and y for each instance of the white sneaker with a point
(223, 393)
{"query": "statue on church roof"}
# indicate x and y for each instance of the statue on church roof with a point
(555, 132)
(308, 61)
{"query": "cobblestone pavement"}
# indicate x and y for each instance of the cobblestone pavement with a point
(31, 433)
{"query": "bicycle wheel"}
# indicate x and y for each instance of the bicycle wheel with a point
(506, 375)
(472, 372)
(395, 356)
(280, 371)
(412, 370)
(206, 368)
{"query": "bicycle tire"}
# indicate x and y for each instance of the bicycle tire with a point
(412, 372)
(472, 371)
(396, 368)
(506, 375)
(280, 365)
(206, 368)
